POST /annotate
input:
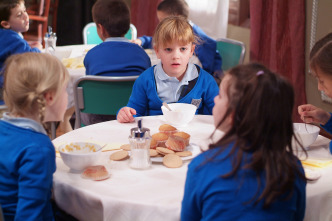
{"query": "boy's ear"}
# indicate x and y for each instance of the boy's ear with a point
(156, 51)
(102, 33)
(193, 49)
(5, 24)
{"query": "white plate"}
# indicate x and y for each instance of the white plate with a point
(312, 174)
(192, 147)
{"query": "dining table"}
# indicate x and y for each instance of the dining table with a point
(129, 194)
(156, 193)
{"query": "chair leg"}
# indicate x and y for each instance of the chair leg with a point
(53, 130)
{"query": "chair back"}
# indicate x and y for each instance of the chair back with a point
(101, 95)
(231, 51)
(90, 35)
(38, 15)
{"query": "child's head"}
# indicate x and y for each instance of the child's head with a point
(255, 101)
(172, 7)
(113, 16)
(13, 15)
(321, 63)
(35, 86)
(174, 42)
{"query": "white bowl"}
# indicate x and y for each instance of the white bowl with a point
(61, 53)
(79, 155)
(180, 115)
(305, 133)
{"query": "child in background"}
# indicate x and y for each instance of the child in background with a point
(116, 56)
(13, 21)
(174, 79)
(251, 173)
(27, 155)
(206, 51)
(321, 68)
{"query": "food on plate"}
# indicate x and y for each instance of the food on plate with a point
(161, 139)
(95, 173)
(119, 155)
(172, 161)
(167, 129)
(153, 153)
(178, 141)
(184, 153)
(184, 135)
(125, 147)
(153, 144)
(164, 151)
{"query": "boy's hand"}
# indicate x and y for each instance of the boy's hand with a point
(311, 114)
(35, 44)
(125, 115)
(137, 41)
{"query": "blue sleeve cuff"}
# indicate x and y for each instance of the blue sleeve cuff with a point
(328, 125)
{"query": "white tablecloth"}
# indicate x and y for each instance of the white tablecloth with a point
(156, 193)
(153, 194)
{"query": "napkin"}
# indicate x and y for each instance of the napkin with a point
(73, 63)
(316, 163)
(111, 146)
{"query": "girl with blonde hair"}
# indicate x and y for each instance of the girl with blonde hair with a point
(35, 93)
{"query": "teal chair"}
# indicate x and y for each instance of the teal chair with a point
(231, 51)
(90, 35)
(101, 95)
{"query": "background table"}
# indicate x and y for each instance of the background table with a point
(156, 193)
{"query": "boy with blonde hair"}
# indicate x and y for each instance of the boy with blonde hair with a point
(174, 79)
(206, 51)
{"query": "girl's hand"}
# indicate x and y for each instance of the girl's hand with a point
(311, 114)
(125, 115)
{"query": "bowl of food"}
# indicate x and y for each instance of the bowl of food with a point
(79, 155)
(180, 114)
(306, 134)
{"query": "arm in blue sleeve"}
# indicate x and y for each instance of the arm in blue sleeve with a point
(189, 209)
(23, 46)
(301, 203)
(36, 170)
(146, 42)
(328, 125)
(211, 91)
(138, 98)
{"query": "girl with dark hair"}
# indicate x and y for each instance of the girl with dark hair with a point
(321, 68)
(251, 173)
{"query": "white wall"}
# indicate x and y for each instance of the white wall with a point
(210, 15)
